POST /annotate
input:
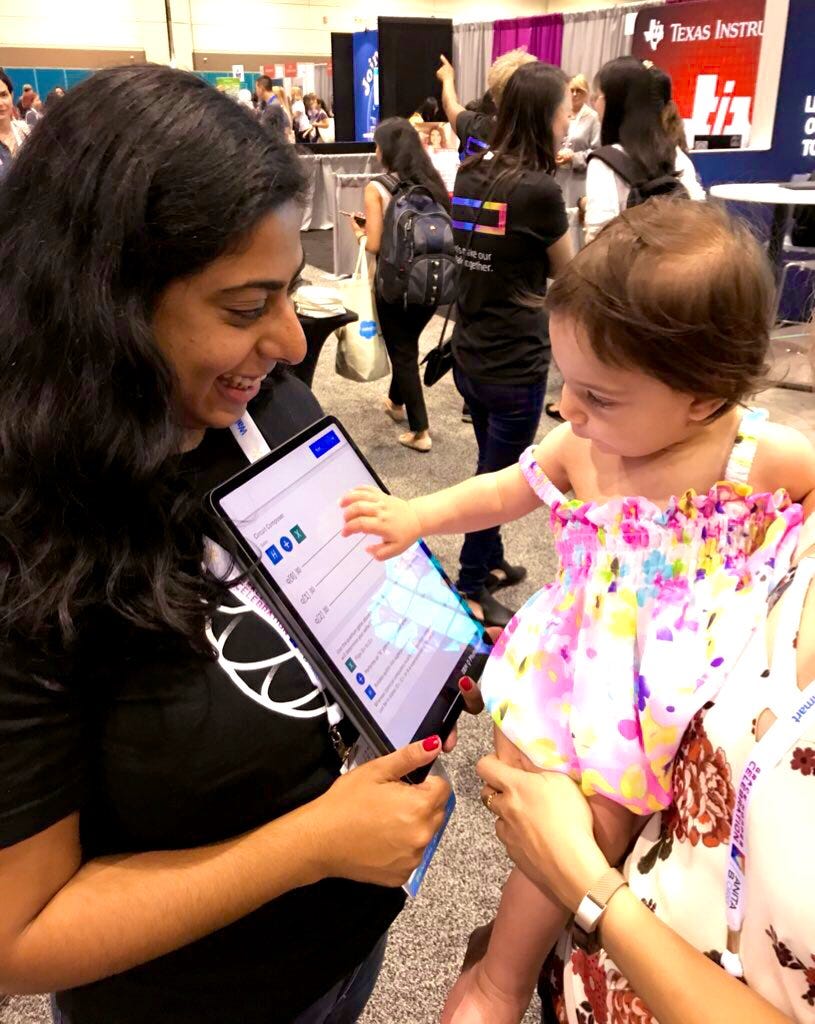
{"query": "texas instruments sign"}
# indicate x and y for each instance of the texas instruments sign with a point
(710, 48)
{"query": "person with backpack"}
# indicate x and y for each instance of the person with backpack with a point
(637, 160)
(511, 235)
(407, 226)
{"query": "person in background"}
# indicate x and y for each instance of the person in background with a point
(399, 149)
(26, 101)
(430, 110)
(671, 118)
(475, 128)
(582, 137)
(631, 120)
(13, 132)
(272, 108)
(303, 129)
(315, 111)
(500, 343)
(151, 808)
(35, 112)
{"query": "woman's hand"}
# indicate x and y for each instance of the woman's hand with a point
(394, 520)
(564, 157)
(372, 827)
(545, 823)
(445, 71)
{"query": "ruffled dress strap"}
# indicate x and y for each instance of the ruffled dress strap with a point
(539, 481)
(744, 447)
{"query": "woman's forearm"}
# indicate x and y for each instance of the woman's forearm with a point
(117, 912)
(677, 983)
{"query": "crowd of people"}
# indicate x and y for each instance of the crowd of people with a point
(160, 833)
(297, 117)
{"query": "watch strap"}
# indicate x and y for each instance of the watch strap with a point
(596, 899)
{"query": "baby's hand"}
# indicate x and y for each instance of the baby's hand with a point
(369, 510)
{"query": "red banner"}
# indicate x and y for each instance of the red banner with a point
(291, 69)
(710, 48)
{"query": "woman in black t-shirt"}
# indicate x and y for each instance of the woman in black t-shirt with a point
(510, 227)
(172, 848)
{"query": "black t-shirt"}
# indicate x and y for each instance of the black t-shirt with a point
(497, 337)
(474, 131)
(160, 749)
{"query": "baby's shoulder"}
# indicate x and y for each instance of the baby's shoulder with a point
(785, 457)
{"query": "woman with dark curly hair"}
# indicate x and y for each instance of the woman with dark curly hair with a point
(176, 844)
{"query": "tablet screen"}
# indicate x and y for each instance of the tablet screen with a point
(396, 632)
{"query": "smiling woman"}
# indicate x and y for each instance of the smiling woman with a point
(150, 811)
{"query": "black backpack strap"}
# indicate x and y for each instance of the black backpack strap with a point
(621, 164)
(390, 182)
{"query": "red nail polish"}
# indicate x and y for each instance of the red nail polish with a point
(466, 684)
(431, 743)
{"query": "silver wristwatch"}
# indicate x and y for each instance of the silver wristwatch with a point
(592, 907)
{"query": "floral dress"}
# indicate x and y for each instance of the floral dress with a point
(599, 674)
(677, 866)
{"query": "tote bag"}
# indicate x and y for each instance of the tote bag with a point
(361, 352)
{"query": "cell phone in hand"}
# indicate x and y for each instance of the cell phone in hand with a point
(357, 218)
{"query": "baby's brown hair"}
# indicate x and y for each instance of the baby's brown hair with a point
(678, 290)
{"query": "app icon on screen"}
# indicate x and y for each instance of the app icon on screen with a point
(273, 555)
(286, 544)
(350, 664)
(360, 679)
(298, 534)
(370, 692)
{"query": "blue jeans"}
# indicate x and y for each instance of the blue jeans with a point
(505, 421)
(343, 1004)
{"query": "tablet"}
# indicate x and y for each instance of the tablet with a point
(389, 639)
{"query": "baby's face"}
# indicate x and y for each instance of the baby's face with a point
(621, 411)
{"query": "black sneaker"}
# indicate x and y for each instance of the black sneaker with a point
(504, 575)
(494, 613)
(466, 415)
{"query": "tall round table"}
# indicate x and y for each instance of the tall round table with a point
(773, 194)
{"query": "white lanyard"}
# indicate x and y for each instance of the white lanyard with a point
(254, 446)
(797, 711)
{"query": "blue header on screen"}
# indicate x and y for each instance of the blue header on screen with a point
(324, 444)
(786, 157)
(366, 84)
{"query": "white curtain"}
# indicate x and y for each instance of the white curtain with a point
(472, 56)
(324, 85)
(591, 38)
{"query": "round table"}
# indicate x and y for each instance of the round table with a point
(773, 194)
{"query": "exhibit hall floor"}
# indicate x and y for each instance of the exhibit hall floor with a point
(464, 882)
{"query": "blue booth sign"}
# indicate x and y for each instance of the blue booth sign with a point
(366, 84)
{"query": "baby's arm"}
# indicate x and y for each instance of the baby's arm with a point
(489, 499)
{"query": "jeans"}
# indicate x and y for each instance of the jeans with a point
(505, 421)
(343, 1004)
(401, 328)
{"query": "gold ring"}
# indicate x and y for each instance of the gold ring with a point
(490, 799)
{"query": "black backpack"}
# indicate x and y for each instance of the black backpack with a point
(642, 188)
(417, 255)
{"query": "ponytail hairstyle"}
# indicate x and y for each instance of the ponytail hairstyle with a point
(404, 156)
(633, 115)
(168, 176)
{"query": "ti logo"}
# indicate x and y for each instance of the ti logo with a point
(655, 33)
(368, 329)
